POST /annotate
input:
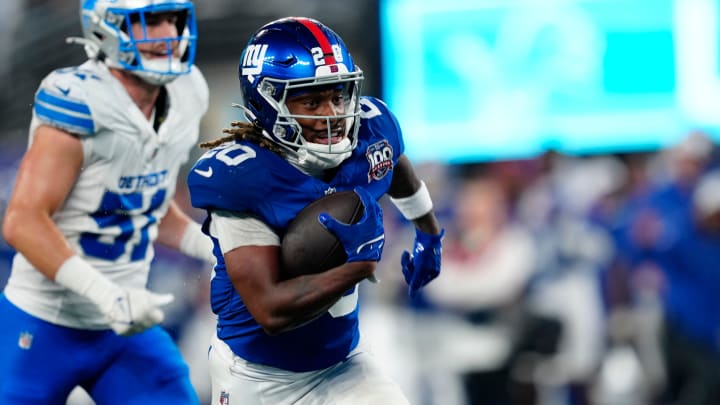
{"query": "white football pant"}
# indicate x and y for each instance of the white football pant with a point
(357, 381)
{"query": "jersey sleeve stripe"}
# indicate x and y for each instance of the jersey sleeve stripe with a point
(79, 125)
(46, 97)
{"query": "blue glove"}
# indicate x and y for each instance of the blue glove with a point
(423, 265)
(364, 240)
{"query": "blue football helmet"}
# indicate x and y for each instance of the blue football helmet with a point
(289, 56)
(108, 36)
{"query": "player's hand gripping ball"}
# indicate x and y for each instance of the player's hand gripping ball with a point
(308, 247)
(363, 240)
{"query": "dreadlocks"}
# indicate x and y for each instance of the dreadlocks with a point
(244, 131)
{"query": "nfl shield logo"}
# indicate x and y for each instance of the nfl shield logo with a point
(25, 340)
(224, 398)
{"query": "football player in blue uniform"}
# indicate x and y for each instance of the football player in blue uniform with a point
(308, 133)
(93, 193)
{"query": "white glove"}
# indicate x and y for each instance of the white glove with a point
(128, 311)
(134, 310)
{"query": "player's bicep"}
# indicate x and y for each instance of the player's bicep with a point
(250, 249)
(253, 269)
(254, 273)
(405, 181)
(48, 170)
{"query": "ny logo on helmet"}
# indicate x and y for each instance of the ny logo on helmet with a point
(253, 60)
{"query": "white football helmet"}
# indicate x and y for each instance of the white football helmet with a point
(108, 36)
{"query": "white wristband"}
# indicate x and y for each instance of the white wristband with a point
(195, 243)
(82, 278)
(416, 205)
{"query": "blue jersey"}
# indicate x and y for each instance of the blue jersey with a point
(689, 261)
(243, 177)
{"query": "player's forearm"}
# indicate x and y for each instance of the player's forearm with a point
(300, 300)
(37, 238)
(412, 198)
(179, 231)
(428, 223)
(172, 226)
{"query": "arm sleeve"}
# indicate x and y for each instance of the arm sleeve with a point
(235, 230)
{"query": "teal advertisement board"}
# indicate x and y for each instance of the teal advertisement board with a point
(487, 80)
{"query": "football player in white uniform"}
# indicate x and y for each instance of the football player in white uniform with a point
(93, 193)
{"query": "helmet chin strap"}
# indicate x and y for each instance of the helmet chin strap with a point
(155, 65)
(314, 158)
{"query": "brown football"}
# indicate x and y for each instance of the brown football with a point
(308, 247)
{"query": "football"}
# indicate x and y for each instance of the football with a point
(308, 247)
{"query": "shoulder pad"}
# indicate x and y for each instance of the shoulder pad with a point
(229, 177)
(379, 121)
(61, 102)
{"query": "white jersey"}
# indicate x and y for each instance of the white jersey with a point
(123, 190)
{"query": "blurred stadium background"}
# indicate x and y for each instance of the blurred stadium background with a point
(542, 129)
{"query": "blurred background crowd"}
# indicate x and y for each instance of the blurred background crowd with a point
(571, 274)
